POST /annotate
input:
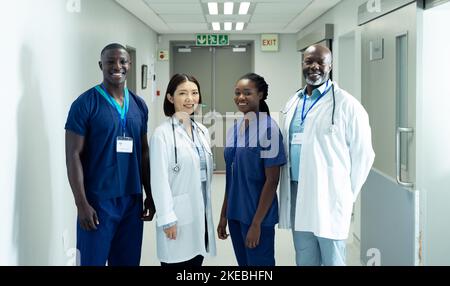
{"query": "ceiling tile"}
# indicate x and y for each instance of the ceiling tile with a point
(170, 1)
(192, 27)
(269, 8)
(182, 18)
(187, 16)
(266, 26)
(166, 8)
(264, 18)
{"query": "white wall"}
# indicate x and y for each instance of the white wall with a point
(280, 69)
(433, 134)
(51, 57)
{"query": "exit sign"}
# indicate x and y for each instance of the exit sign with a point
(212, 40)
(269, 42)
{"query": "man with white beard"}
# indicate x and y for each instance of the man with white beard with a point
(328, 144)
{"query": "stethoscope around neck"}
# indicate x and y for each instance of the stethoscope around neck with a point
(176, 168)
(332, 128)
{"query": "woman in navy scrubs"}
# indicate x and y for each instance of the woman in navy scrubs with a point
(253, 154)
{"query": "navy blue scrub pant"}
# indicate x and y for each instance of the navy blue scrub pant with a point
(118, 238)
(262, 255)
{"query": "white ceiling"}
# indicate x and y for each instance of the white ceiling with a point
(191, 16)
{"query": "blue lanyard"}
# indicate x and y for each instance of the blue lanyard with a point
(122, 111)
(304, 102)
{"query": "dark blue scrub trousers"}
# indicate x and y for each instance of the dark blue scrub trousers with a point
(262, 255)
(118, 238)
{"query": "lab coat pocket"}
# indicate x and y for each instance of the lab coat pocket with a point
(183, 209)
(339, 187)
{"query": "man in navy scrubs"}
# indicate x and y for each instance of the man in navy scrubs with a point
(107, 162)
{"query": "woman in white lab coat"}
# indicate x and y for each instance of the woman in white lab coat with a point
(181, 172)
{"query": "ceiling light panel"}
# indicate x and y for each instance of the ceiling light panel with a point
(227, 18)
(228, 26)
(228, 8)
(213, 8)
(243, 8)
(239, 26)
(216, 26)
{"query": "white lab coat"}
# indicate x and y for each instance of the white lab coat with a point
(178, 197)
(333, 166)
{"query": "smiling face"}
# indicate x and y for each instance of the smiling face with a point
(247, 96)
(185, 98)
(316, 65)
(115, 64)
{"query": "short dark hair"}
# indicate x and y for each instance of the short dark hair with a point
(175, 81)
(113, 46)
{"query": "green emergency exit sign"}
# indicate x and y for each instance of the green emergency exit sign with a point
(212, 40)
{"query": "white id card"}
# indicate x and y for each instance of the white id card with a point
(297, 139)
(124, 145)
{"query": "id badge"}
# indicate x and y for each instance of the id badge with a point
(203, 175)
(297, 139)
(124, 145)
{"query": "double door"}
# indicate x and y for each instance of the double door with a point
(217, 69)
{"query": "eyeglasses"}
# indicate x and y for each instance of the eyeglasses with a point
(245, 92)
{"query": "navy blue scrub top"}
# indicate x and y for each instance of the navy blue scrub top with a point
(108, 174)
(245, 168)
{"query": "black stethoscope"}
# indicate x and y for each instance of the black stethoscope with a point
(176, 168)
(332, 127)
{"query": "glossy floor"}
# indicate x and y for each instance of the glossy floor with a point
(284, 252)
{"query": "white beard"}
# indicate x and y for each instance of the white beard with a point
(318, 82)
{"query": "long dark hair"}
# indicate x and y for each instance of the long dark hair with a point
(261, 86)
(175, 81)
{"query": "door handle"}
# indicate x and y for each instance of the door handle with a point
(401, 130)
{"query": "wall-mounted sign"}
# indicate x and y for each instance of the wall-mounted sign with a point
(269, 42)
(212, 40)
(376, 49)
(163, 55)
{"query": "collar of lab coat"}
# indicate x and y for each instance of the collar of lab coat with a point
(289, 109)
(179, 128)
(317, 91)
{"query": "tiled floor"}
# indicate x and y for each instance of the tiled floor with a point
(284, 251)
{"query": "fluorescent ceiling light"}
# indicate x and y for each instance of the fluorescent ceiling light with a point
(243, 9)
(184, 50)
(239, 50)
(228, 8)
(228, 26)
(216, 26)
(213, 8)
(239, 26)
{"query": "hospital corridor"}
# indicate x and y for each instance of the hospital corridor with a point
(104, 98)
